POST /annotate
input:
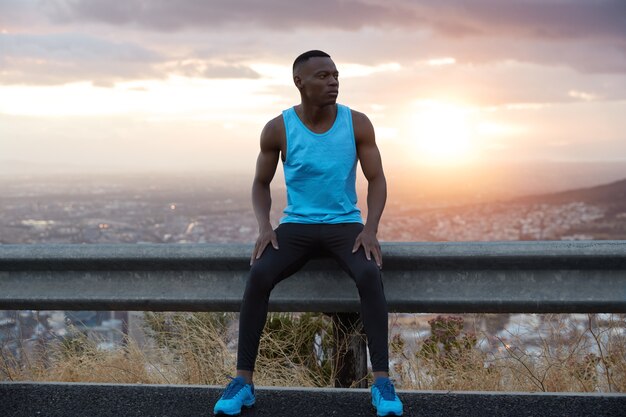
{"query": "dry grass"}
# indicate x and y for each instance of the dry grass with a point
(563, 358)
(287, 351)
(78, 361)
(296, 350)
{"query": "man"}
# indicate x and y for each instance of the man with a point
(319, 143)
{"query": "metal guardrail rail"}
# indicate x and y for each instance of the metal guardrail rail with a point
(459, 277)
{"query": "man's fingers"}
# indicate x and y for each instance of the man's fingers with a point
(261, 245)
(373, 250)
(371, 247)
(378, 257)
(368, 251)
(252, 256)
(256, 247)
(258, 250)
(261, 249)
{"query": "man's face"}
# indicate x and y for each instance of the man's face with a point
(318, 81)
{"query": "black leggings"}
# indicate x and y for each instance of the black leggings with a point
(297, 243)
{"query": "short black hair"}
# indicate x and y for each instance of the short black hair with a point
(308, 54)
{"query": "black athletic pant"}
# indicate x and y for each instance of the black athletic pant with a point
(297, 243)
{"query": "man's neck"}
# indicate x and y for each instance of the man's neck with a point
(314, 116)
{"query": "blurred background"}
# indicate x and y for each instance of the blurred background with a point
(139, 122)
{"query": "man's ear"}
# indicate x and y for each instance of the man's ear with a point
(297, 81)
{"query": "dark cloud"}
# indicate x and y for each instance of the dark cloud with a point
(542, 19)
(545, 19)
(274, 14)
(73, 46)
(19, 13)
(207, 69)
(218, 37)
(63, 58)
(229, 71)
(560, 26)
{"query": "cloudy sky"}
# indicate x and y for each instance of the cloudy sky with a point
(189, 84)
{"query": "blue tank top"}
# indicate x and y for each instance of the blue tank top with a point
(320, 171)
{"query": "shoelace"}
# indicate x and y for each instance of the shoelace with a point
(387, 391)
(233, 388)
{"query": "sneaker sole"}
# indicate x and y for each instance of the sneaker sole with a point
(221, 413)
(385, 415)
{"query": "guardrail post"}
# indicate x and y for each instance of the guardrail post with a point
(350, 354)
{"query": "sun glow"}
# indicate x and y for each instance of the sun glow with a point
(442, 132)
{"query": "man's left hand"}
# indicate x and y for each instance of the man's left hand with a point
(371, 246)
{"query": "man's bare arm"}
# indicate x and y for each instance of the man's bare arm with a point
(266, 164)
(371, 164)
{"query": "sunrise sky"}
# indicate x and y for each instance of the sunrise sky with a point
(188, 84)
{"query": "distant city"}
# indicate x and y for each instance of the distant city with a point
(179, 210)
(189, 210)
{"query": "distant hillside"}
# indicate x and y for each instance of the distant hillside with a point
(590, 213)
(602, 215)
(612, 193)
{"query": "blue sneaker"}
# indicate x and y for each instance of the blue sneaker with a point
(384, 398)
(236, 395)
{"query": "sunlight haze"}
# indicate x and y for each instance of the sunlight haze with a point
(181, 87)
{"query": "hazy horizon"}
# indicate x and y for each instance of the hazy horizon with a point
(498, 98)
(462, 184)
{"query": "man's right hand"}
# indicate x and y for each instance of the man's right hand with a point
(265, 237)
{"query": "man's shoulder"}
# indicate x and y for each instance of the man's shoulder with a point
(274, 131)
(362, 126)
(359, 117)
(275, 125)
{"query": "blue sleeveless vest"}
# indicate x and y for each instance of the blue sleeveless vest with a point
(320, 171)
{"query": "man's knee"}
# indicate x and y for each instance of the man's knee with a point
(260, 280)
(368, 277)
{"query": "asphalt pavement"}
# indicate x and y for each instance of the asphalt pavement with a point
(123, 400)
